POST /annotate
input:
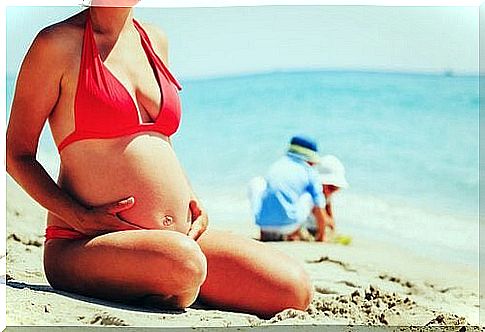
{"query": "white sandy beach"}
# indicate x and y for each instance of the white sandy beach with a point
(363, 283)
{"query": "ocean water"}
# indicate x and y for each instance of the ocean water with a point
(409, 143)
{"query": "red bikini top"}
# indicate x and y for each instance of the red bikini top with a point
(103, 107)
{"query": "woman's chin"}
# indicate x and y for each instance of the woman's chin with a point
(113, 3)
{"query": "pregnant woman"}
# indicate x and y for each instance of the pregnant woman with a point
(123, 222)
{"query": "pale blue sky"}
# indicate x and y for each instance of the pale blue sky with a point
(231, 40)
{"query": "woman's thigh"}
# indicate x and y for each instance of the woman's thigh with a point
(127, 265)
(250, 276)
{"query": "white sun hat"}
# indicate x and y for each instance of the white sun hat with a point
(332, 171)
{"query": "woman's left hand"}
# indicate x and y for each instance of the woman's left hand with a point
(200, 221)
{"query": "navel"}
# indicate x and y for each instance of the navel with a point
(167, 221)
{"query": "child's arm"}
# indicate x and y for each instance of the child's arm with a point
(329, 212)
(323, 220)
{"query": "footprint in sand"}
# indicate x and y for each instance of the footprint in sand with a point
(397, 280)
(105, 319)
(322, 259)
(445, 319)
(27, 242)
(289, 314)
(443, 290)
(325, 291)
(347, 283)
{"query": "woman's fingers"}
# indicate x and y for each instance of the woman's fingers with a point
(194, 210)
(105, 218)
(123, 205)
(194, 232)
(199, 220)
(199, 226)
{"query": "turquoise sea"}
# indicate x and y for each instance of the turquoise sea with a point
(409, 143)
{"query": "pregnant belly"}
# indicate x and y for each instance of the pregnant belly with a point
(98, 172)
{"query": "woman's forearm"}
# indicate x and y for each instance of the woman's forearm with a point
(34, 179)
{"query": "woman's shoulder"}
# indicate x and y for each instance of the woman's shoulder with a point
(61, 38)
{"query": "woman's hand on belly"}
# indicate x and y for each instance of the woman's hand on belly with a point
(104, 218)
(199, 221)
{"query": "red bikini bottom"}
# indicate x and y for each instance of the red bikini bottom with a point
(55, 232)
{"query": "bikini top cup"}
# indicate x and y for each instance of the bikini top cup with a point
(103, 107)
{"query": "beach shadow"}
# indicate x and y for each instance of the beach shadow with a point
(132, 306)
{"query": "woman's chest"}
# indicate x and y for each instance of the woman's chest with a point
(130, 69)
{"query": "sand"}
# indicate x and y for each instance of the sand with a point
(365, 282)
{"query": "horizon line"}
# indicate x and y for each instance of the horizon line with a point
(431, 72)
(434, 72)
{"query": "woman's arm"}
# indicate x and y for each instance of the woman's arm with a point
(36, 94)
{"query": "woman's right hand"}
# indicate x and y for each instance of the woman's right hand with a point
(104, 218)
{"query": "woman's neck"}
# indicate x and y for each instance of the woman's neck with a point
(110, 20)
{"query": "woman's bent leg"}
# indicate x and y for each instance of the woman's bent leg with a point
(249, 276)
(130, 265)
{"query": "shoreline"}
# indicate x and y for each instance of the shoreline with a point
(370, 218)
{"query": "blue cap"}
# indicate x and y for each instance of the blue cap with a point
(304, 147)
(304, 141)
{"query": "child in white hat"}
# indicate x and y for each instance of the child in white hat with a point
(332, 175)
(288, 193)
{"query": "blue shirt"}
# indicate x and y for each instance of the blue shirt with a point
(287, 180)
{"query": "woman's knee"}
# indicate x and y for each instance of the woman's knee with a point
(300, 288)
(187, 268)
(193, 263)
(189, 271)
